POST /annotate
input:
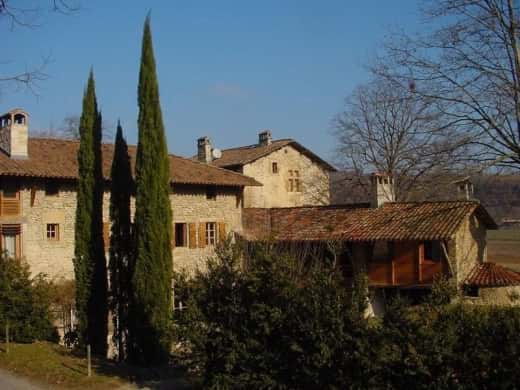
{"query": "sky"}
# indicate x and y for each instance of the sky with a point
(226, 69)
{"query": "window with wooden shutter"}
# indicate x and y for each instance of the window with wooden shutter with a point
(202, 235)
(10, 202)
(192, 235)
(221, 231)
(180, 235)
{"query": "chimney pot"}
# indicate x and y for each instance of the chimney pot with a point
(204, 150)
(265, 138)
(14, 133)
(382, 189)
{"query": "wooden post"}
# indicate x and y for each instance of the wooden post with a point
(88, 361)
(6, 336)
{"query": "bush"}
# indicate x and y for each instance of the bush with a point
(262, 321)
(24, 303)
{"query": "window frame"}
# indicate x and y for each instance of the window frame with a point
(274, 167)
(52, 231)
(211, 233)
(184, 233)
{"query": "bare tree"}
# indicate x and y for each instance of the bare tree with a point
(69, 129)
(29, 16)
(468, 63)
(388, 128)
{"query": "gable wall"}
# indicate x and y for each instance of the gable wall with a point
(469, 247)
(275, 190)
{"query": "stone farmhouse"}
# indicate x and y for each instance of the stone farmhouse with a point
(275, 191)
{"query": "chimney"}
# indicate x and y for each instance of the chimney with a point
(204, 150)
(14, 133)
(382, 189)
(464, 189)
(265, 138)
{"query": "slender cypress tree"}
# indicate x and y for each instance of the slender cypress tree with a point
(120, 263)
(151, 280)
(98, 310)
(89, 259)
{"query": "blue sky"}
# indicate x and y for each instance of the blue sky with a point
(227, 69)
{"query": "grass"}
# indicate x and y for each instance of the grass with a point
(504, 248)
(57, 367)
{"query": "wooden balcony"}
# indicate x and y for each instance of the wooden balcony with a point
(407, 266)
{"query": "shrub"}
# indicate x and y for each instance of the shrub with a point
(24, 302)
(260, 320)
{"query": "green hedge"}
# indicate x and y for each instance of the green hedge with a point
(272, 324)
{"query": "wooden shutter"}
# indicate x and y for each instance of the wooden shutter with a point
(192, 235)
(106, 235)
(221, 231)
(202, 235)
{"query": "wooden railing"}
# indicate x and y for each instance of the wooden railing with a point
(399, 272)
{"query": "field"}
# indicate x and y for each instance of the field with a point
(504, 248)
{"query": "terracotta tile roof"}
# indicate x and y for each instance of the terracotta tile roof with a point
(56, 158)
(247, 154)
(492, 275)
(391, 222)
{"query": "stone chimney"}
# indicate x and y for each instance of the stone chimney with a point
(204, 150)
(265, 138)
(14, 133)
(464, 189)
(382, 189)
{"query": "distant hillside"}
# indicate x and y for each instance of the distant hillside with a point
(500, 194)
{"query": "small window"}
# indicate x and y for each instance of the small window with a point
(274, 166)
(211, 193)
(53, 231)
(211, 233)
(52, 189)
(294, 181)
(11, 240)
(181, 234)
(471, 291)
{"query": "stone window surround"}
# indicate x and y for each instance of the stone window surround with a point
(52, 231)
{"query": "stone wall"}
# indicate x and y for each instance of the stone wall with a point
(469, 248)
(500, 296)
(54, 257)
(275, 191)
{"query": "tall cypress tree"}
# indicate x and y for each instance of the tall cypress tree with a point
(121, 259)
(151, 281)
(89, 259)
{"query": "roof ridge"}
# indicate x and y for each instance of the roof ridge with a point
(258, 145)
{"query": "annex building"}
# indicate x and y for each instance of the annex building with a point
(274, 191)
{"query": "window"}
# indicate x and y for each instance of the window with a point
(432, 250)
(53, 231)
(11, 240)
(181, 234)
(294, 181)
(211, 192)
(274, 167)
(10, 202)
(51, 189)
(471, 291)
(211, 233)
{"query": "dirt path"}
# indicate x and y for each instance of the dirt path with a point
(13, 382)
